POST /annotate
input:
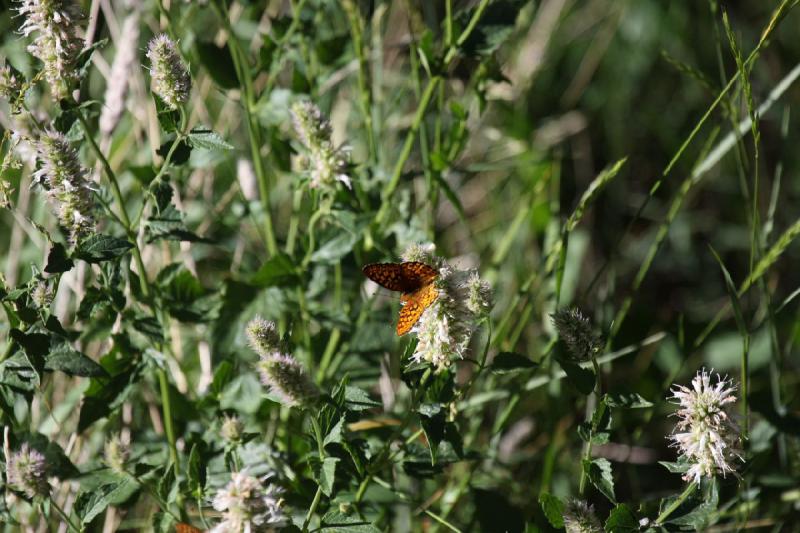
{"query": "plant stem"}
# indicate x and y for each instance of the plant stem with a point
(321, 452)
(64, 516)
(242, 68)
(167, 407)
(312, 509)
(677, 503)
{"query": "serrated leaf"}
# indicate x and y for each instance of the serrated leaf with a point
(680, 467)
(327, 474)
(336, 248)
(553, 509)
(358, 400)
(208, 140)
(98, 248)
(64, 358)
(621, 520)
(506, 362)
(278, 270)
(599, 472)
(336, 522)
(94, 502)
(629, 400)
(335, 434)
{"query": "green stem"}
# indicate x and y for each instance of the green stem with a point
(677, 503)
(64, 516)
(167, 407)
(242, 68)
(321, 452)
(312, 509)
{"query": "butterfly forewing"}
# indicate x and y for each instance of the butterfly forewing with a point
(402, 277)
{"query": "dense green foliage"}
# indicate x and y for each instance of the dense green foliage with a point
(185, 221)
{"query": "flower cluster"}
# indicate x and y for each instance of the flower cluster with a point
(579, 517)
(247, 505)
(56, 43)
(232, 429)
(285, 377)
(171, 80)
(66, 182)
(121, 68)
(446, 326)
(577, 333)
(26, 472)
(706, 434)
(325, 163)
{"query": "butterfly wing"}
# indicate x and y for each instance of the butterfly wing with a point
(415, 305)
(401, 277)
(182, 527)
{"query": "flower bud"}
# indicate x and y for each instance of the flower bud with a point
(116, 454)
(579, 517)
(171, 80)
(262, 336)
(577, 333)
(232, 429)
(325, 163)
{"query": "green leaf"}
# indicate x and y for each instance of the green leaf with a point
(208, 140)
(327, 474)
(626, 400)
(553, 509)
(91, 503)
(218, 62)
(57, 259)
(277, 271)
(599, 472)
(168, 225)
(196, 472)
(680, 467)
(335, 434)
(621, 520)
(35, 346)
(336, 248)
(358, 400)
(506, 362)
(581, 378)
(64, 358)
(733, 295)
(180, 154)
(98, 248)
(336, 522)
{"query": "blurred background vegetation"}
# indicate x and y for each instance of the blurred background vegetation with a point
(545, 95)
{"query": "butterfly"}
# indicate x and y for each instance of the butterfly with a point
(414, 280)
(182, 527)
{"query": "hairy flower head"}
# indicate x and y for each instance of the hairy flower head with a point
(287, 379)
(247, 505)
(577, 333)
(579, 517)
(706, 434)
(55, 43)
(171, 80)
(446, 326)
(66, 182)
(116, 453)
(325, 163)
(26, 472)
(263, 336)
(121, 70)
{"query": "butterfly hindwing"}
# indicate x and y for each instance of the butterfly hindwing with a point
(415, 305)
(182, 527)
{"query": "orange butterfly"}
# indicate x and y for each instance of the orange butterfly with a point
(182, 527)
(414, 280)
